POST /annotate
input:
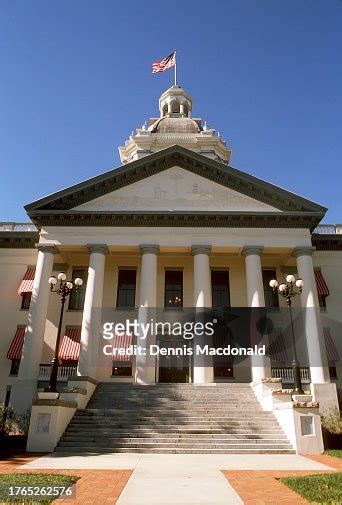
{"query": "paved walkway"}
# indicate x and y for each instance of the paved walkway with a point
(98, 487)
(70, 460)
(193, 479)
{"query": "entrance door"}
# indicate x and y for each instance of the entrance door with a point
(173, 368)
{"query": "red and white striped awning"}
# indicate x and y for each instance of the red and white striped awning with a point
(26, 284)
(332, 352)
(322, 287)
(69, 348)
(277, 346)
(122, 342)
(16, 347)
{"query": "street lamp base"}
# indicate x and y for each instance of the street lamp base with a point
(297, 389)
(50, 389)
(48, 395)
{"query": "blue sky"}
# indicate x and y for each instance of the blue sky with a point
(76, 80)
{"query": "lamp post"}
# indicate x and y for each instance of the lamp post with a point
(288, 291)
(63, 291)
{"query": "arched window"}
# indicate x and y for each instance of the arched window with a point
(175, 109)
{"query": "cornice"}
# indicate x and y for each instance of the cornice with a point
(327, 242)
(179, 219)
(18, 239)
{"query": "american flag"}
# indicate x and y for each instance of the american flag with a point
(168, 62)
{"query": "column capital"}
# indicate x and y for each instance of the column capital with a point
(49, 248)
(149, 249)
(305, 250)
(201, 249)
(98, 248)
(255, 250)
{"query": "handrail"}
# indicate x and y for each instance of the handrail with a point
(64, 371)
(328, 229)
(12, 226)
(286, 374)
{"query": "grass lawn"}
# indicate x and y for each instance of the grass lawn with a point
(33, 482)
(337, 453)
(325, 488)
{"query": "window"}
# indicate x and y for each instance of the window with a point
(332, 372)
(220, 288)
(173, 288)
(223, 372)
(126, 289)
(175, 108)
(26, 300)
(271, 297)
(121, 371)
(322, 301)
(76, 300)
(15, 366)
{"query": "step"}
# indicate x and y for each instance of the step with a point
(100, 420)
(170, 445)
(108, 412)
(174, 436)
(174, 419)
(91, 450)
(173, 423)
(169, 439)
(178, 431)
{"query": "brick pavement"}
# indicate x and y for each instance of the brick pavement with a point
(95, 487)
(262, 487)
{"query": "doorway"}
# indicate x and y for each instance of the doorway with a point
(173, 368)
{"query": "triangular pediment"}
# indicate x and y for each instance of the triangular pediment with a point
(175, 189)
(172, 181)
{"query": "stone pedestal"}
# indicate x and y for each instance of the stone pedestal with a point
(49, 418)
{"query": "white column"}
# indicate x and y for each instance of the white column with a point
(313, 325)
(145, 365)
(202, 300)
(91, 321)
(256, 298)
(181, 108)
(25, 387)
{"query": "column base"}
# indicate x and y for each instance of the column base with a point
(23, 392)
(145, 375)
(203, 375)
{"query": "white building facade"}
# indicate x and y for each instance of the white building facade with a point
(173, 227)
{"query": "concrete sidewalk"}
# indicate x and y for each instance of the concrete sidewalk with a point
(178, 478)
(68, 460)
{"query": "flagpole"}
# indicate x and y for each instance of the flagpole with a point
(175, 67)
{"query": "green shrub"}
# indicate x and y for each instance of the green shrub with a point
(331, 421)
(17, 424)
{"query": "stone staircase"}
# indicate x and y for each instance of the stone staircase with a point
(174, 418)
